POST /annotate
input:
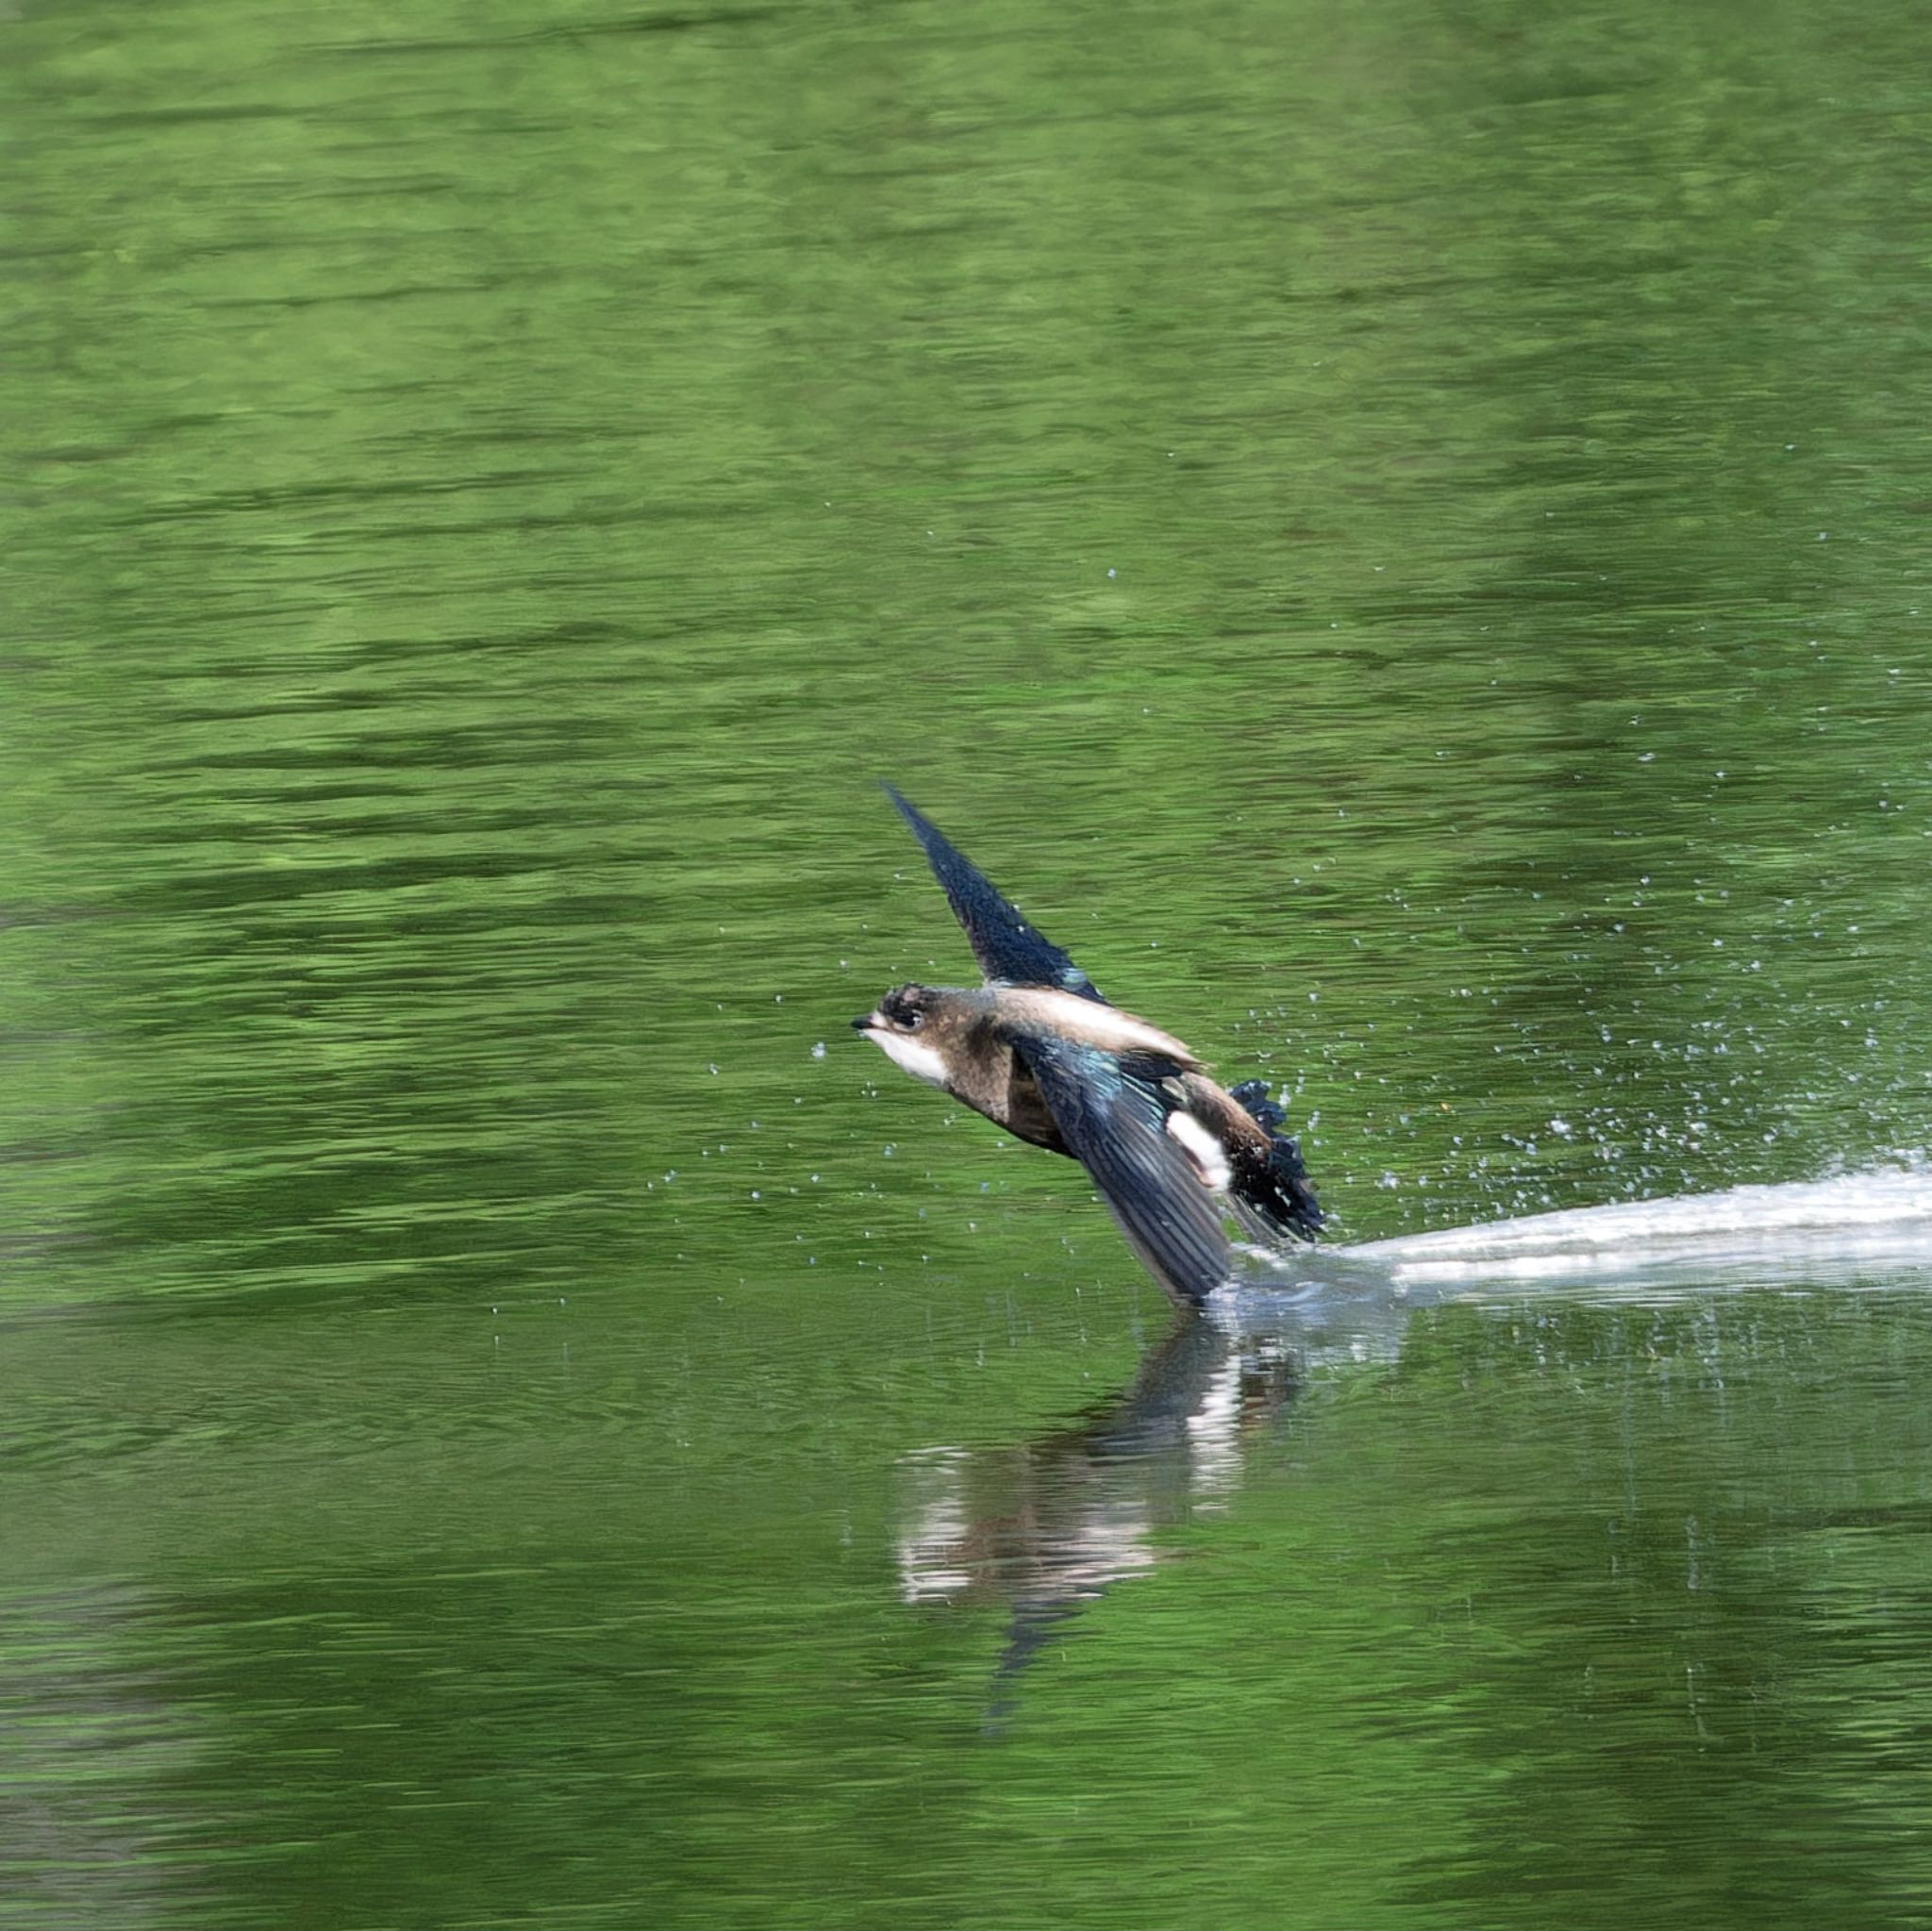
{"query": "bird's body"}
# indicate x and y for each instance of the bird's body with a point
(1040, 1051)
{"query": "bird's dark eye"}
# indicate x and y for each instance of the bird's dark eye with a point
(913, 1021)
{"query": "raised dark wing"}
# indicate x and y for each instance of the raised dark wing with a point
(1008, 948)
(1114, 1122)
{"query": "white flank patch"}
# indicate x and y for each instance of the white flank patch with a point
(1210, 1162)
(914, 1056)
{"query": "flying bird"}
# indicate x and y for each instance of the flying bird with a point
(1038, 1051)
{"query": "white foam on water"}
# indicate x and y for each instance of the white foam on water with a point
(1826, 1227)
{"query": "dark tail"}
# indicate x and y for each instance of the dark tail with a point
(1276, 1192)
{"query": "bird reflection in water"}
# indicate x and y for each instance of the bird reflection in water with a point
(1046, 1528)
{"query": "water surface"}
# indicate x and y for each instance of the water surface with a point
(1397, 535)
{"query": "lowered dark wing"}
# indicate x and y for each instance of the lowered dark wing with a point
(1008, 948)
(1114, 1122)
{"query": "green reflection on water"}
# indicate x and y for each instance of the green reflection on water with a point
(1605, 1607)
(1394, 534)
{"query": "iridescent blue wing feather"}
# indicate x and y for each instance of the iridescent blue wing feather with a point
(1009, 951)
(1114, 1122)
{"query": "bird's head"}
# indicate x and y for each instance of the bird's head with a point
(907, 1026)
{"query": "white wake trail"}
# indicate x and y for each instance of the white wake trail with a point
(1823, 1228)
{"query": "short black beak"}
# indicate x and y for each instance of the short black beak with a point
(862, 1024)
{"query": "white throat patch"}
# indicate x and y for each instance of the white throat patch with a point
(914, 1056)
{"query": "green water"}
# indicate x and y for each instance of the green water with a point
(1397, 533)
